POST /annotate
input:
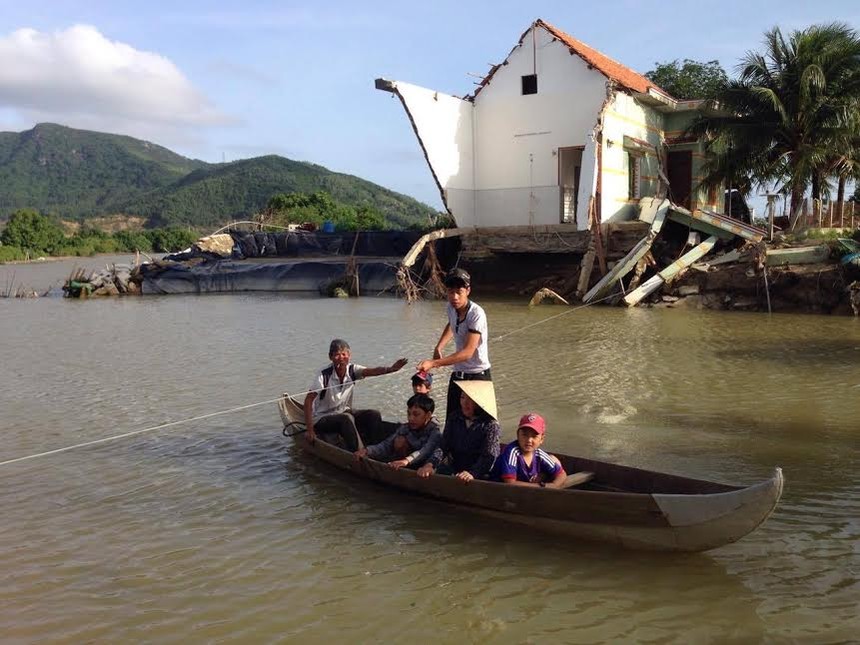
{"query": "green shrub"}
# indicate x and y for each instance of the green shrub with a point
(827, 234)
(319, 207)
(11, 254)
(28, 229)
(171, 239)
(132, 241)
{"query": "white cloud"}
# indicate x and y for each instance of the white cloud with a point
(78, 77)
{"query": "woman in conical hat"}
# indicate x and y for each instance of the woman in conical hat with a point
(470, 442)
(483, 394)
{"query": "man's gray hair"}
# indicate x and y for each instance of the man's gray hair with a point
(337, 345)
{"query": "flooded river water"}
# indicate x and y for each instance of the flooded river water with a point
(216, 531)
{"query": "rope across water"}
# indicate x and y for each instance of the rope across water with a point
(169, 424)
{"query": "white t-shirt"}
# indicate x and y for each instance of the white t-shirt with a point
(474, 321)
(337, 397)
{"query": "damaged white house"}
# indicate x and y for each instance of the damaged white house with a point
(557, 133)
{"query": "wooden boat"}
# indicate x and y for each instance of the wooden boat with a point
(629, 507)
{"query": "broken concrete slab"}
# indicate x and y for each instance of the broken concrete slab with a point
(670, 272)
(653, 211)
(722, 226)
(816, 254)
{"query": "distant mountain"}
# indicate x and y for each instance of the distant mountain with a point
(79, 174)
(221, 192)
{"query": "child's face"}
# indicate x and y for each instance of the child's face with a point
(420, 387)
(529, 440)
(458, 296)
(417, 418)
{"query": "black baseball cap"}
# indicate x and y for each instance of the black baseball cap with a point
(458, 278)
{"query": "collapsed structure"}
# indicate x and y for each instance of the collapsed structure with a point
(562, 158)
(562, 161)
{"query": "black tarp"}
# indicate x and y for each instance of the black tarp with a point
(258, 244)
(375, 276)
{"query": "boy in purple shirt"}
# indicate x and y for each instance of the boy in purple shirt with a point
(524, 463)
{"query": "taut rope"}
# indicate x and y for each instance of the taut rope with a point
(161, 426)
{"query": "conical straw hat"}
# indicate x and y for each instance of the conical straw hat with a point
(483, 393)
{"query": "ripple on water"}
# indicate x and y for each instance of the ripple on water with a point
(212, 531)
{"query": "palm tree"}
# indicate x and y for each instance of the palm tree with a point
(791, 110)
(845, 166)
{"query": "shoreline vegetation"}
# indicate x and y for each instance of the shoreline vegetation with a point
(30, 236)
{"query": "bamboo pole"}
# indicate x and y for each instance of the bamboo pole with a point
(830, 212)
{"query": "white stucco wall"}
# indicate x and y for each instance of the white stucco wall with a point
(517, 137)
(497, 159)
(444, 127)
(626, 116)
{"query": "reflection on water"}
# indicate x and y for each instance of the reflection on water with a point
(217, 531)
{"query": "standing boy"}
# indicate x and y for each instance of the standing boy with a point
(523, 462)
(467, 325)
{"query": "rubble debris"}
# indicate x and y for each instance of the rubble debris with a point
(546, 294)
(854, 296)
(219, 244)
(114, 280)
(653, 211)
(670, 272)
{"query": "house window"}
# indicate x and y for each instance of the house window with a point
(634, 173)
(530, 84)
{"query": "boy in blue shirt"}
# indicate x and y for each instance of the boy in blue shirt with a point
(524, 463)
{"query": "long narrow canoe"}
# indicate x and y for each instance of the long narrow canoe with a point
(629, 507)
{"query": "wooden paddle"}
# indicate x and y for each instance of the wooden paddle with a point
(576, 479)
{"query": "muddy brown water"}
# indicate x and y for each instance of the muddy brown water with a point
(216, 531)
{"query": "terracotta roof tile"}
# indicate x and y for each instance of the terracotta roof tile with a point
(612, 69)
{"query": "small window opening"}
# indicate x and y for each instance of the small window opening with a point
(633, 176)
(530, 84)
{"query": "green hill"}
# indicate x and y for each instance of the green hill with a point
(217, 193)
(79, 174)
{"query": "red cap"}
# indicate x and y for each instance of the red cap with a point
(422, 375)
(533, 421)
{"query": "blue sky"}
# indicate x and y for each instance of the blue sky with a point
(219, 80)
